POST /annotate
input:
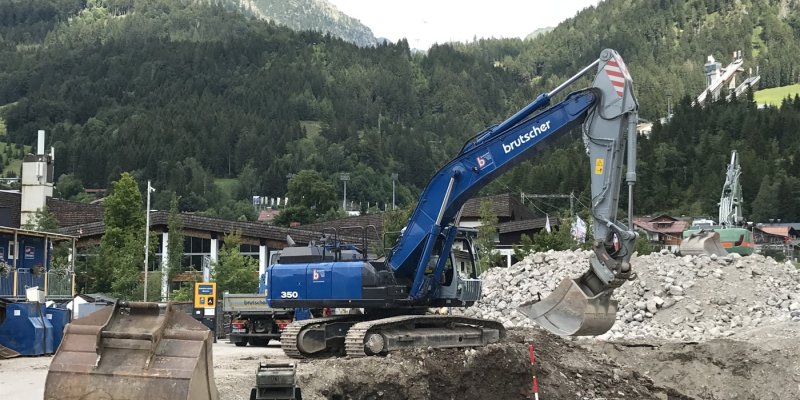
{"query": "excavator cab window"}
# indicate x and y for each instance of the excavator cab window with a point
(464, 256)
(448, 272)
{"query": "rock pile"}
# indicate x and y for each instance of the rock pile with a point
(681, 298)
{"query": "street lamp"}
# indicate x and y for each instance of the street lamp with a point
(150, 189)
(344, 177)
(394, 179)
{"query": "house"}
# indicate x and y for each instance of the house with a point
(506, 207)
(662, 231)
(783, 238)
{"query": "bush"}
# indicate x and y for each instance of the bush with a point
(643, 246)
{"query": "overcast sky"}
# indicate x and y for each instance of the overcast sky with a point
(424, 22)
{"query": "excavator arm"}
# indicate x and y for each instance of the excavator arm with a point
(730, 201)
(608, 111)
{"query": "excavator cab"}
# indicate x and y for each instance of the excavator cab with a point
(133, 351)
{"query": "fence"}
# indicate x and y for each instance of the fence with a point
(55, 285)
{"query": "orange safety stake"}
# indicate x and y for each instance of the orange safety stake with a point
(535, 385)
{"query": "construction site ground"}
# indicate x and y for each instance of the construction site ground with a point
(761, 364)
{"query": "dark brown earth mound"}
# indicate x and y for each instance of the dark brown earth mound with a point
(564, 369)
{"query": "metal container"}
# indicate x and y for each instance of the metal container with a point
(26, 330)
(59, 318)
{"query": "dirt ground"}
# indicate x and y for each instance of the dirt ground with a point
(498, 371)
(762, 364)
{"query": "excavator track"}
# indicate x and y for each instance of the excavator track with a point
(292, 331)
(357, 335)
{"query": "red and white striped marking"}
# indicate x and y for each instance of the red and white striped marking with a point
(616, 74)
(535, 385)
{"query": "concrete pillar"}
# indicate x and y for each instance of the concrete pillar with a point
(262, 260)
(212, 258)
(214, 250)
(164, 266)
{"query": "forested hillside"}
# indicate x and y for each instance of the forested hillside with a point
(185, 92)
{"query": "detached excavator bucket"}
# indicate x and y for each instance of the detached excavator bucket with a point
(570, 311)
(703, 242)
(133, 351)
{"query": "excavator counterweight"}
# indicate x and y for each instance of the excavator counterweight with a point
(133, 351)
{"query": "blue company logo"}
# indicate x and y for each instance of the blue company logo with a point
(484, 160)
(524, 138)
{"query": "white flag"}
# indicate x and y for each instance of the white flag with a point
(579, 230)
(547, 224)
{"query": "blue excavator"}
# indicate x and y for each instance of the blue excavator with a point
(423, 270)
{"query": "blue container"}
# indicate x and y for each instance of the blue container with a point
(26, 330)
(59, 318)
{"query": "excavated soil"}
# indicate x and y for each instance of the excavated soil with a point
(689, 328)
(763, 364)
(564, 369)
(760, 364)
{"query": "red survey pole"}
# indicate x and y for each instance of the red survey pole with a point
(535, 386)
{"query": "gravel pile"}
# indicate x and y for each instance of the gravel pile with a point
(682, 298)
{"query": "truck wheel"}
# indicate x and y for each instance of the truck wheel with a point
(253, 393)
(241, 344)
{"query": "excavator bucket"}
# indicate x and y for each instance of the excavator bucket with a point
(133, 351)
(703, 242)
(570, 311)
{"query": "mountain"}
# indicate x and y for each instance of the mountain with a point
(538, 32)
(665, 44)
(313, 15)
(185, 92)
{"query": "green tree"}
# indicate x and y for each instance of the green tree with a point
(766, 203)
(310, 197)
(184, 293)
(487, 233)
(559, 239)
(393, 222)
(68, 186)
(121, 257)
(42, 221)
(233, 271)
(523, 248)
(175, 242)
(643, 246)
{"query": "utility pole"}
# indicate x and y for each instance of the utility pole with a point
(344, 177)
(394, 179)
(147, 238)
